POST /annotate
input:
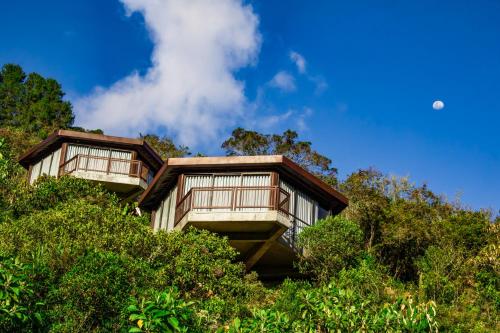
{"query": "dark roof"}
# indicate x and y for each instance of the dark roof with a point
(290, 171)
(54, 141)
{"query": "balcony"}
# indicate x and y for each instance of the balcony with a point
(117, 175)
(230, 210)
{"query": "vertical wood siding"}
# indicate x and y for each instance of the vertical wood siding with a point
(49, 165)
(165, 213)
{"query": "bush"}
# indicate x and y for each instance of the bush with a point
(94, 292)
(62, 234)
(332, 309)
(48, 192)
(166, 312)
(19, 310)
(329, 246)
(442, 273)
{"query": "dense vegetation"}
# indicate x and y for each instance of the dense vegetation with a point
(73, 259)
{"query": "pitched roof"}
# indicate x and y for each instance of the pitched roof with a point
(54, 141)
(304, 180)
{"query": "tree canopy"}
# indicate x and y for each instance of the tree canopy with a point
(32, 102)
(165, 146)
(246, 142)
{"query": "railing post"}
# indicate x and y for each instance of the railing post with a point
(277, 195)
(191, 201)
(233, 198)
(109, 166)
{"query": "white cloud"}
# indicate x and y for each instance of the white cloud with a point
(302, 117)
(299, 61)
(284, 81)
(320, 82)
(190, 90)
(271, 121)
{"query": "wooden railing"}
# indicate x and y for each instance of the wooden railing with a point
(107, 165)
(249, 198)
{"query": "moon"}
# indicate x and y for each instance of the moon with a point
(438, 105)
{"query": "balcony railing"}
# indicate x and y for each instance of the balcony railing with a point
(250, 198)
(106, 165)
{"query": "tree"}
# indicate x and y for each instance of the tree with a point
(244, 142)
(366, 190)
(165, 146)
(329, 246)
(32, 102)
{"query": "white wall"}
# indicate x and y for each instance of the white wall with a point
(47, 166)
(165, 213)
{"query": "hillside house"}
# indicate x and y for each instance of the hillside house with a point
(261, 203)
(125, 166)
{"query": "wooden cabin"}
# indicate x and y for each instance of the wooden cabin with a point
(125, 166)
(261, 203)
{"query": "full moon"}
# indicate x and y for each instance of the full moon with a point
(438, 105)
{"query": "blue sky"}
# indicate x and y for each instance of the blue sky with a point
(364, 96)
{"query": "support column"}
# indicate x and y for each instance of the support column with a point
(260, 249)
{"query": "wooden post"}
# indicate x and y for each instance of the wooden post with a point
(29, 173)
(62, 159)
(180, 188)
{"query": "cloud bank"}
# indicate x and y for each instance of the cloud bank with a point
(190, 90)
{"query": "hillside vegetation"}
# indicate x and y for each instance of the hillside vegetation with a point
(400, 258)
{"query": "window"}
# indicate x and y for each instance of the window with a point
(248, 197)
(100, 159)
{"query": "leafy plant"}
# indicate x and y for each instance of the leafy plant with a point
(18, 308)
(329, 246)
(166, 312)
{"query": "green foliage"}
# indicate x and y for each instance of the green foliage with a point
(442, 270)
(18, 141)
(400, 220)
(244, 142)
(166, 312)
(4, 161)
(332, 309)
(165, 146)
(18, 307)
(49, 192)
(93, 257)
(32, 102)
(73, 259)
(264, 320)
(94, 291)
(329, 246)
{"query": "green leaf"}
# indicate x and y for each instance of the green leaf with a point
(174, 322)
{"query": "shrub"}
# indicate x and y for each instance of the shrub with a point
(62, 235)
(161, 312)
(329, 246)
(19, 310)
(265, 321)
(203, 266)
(94, 292)
(48, 192)
(332, 309)
(442, 273)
